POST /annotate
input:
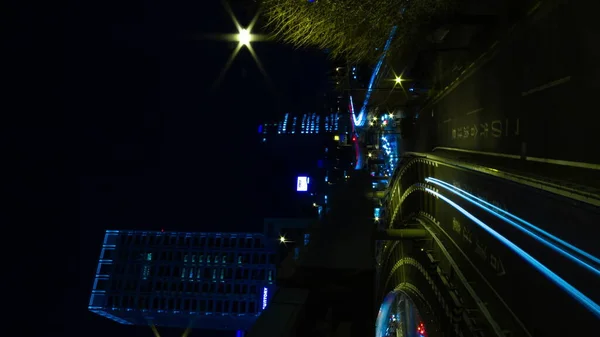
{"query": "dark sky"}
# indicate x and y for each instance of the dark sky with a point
(109, 122)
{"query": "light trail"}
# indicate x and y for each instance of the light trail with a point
(363, 109)
(572, 291)
(360, 119)
(507, 216)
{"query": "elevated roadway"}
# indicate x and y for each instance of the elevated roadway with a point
(478, 274)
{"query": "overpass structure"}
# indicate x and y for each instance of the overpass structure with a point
(497, 258)
(457, 252)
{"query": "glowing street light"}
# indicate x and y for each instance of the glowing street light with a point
(399, 79)
(244, 37)
(282, 239)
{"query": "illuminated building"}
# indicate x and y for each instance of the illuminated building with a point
(302, 124)
(330, 117)
(216, 281)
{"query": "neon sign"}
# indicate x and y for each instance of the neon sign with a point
(302, 184)
(265, 296)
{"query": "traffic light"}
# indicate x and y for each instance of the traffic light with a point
(353, 138)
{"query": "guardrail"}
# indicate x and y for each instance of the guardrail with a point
(547, 186)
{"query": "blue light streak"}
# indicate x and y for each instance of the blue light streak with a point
(499, 213)
(576, 294)
(363, 110)
(361, 118)
(356, 121)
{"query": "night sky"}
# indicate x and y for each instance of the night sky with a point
(110, 124)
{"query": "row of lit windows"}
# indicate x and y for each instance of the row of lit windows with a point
(192, 241)
(187, 287)
(182, 257)
(213, 273)
(183, 304)
(190, 272)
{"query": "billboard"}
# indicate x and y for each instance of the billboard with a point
(302, 184)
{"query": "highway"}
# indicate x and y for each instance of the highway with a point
(520, 297)
(530, 95)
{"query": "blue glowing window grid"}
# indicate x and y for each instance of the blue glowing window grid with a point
(308, 123)
(244, 253)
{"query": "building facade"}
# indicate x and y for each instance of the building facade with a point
(217, 281)
(301, 124)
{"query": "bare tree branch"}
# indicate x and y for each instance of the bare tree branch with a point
(352, 29)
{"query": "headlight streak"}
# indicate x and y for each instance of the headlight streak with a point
(576, 294)
(363, 109)
(496, 211)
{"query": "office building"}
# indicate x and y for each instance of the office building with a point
(216, 281)
(301, 124)
(329, 117)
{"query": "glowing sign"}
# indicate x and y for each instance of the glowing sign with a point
(302, 184)
(265, 296)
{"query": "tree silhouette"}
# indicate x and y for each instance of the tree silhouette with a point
(352, 29)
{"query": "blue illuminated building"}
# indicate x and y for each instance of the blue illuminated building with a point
(216, 281)
(302, 124)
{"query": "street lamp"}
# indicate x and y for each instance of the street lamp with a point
(244, 37)
(399, 79)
